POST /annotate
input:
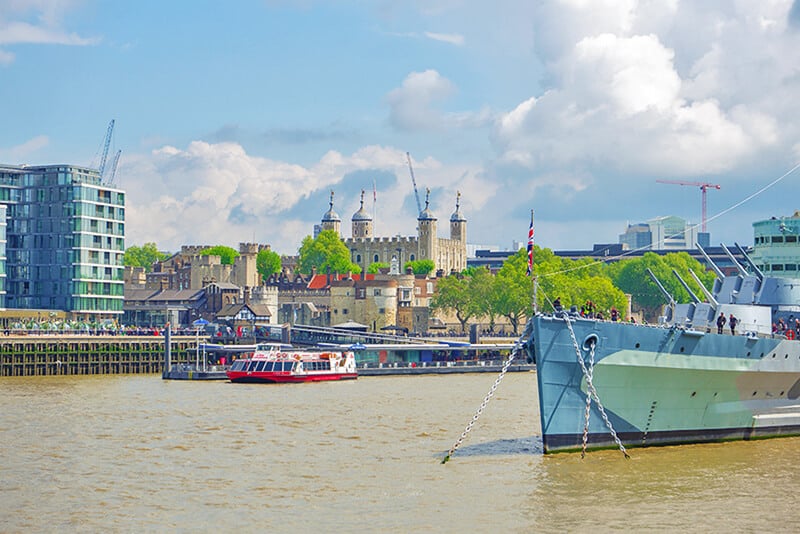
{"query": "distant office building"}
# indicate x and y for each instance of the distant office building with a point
(636, 237)
(776, 245)
(64, 240)
(663, 233)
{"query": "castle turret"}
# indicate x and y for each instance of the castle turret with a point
(331, 220)
(426, 224)
(362, 221)
(458, 224)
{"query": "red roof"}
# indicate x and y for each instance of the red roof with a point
(320, 281)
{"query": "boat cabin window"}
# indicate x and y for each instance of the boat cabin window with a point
(238, 365)
(260, 365)
(318, 366)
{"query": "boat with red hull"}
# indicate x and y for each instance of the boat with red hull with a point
(273, 364)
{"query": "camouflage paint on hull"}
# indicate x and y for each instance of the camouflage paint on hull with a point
(664, 385)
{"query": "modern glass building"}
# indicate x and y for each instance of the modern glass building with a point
(776, 246)
(64, 240)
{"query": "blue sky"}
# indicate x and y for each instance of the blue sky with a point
(237, 119)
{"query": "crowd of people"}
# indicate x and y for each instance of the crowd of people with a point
(789, 328)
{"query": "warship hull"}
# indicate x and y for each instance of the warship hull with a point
(661, 385)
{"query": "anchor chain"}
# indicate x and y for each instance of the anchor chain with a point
(590, 373)
(485, 402)
(592, 392)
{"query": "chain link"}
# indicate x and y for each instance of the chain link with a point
(592, 392)
(590, 370)
(485, 402)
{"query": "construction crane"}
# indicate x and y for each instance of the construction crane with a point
(103, 158)
(113, 172)
(414, 181)
(703, 188)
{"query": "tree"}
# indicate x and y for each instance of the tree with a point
(144, 256)
(511, 295)
(425, 267)
(375, 268)
(268, 263)
(482, 288)
(452, 294)
(631, 277)
(326, 251)
(227, 254)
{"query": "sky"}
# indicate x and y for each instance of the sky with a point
(237, 119)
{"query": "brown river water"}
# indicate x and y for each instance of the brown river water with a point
(134, 453)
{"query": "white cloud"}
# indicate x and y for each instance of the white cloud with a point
(412, 103)
(36, 22)
(22, 32)
(219, 194)
(451, 38)
(25, 152)
(619, 102)
(414, 106)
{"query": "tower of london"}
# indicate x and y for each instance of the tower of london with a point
(448, 255)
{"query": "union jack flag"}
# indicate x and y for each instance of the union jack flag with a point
(530, 248)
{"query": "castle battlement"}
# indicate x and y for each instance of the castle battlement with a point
(193, 250)
(399, 240)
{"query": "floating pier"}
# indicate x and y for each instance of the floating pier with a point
(89, 355)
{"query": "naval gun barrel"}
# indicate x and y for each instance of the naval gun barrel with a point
(686, 287)
(661, 287)
(749, 260)
(709, 296)
(710, 263)
(734, 260)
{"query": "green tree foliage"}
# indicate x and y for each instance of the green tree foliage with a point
(325, 252)
(511, 291)
(453, 295)
(268, 263)
(227, 254)
(631, 277)
(375, 268)
(481, 286)
(144, 256)
(425, 267)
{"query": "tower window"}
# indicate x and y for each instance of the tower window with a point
(376, 258)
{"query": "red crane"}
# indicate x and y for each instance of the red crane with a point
(703, 188)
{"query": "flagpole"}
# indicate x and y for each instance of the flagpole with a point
(530, 260)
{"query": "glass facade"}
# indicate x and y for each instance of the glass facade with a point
(62, 239)
(776, 246)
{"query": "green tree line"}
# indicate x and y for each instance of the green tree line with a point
(476, 294)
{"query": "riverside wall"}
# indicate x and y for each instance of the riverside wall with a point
(89, 355)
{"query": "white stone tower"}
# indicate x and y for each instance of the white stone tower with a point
(426, 223)
(362, 221)
(331, 220)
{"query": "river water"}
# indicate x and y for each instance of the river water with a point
(136, 453)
